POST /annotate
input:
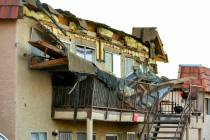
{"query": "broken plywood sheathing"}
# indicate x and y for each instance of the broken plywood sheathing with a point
(80, 65)
(151, 35)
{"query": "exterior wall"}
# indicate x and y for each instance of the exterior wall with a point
(196, 126)
(93, 45)
(206, 126)
(34, 98)
(7, 78)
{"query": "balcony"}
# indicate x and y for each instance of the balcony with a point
(92, 99)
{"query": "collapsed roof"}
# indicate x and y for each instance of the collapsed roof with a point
(66, 22)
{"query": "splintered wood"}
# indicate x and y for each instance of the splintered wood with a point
(50, 63)
(57, 56)
(47, 48)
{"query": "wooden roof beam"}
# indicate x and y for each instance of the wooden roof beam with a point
(47, 48)
(50, 64)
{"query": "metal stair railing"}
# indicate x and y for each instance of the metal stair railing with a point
(153, 111)
(185, 115)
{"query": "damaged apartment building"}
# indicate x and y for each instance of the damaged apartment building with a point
(67, 78)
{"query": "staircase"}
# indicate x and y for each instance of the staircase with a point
(163, 123)
(167, 126)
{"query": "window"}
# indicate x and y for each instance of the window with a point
(113, 63)
(117, 65)
(86, 53)
(65, 135)
(38, 136)
(130, 136)
(143, 67)
(111, 137)
(128, 66)
(35, 35)
(108, 62)
(208, 106)
(83, 136)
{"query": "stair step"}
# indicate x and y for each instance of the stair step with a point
(181, 126)
(170, 115)
(167, 121)
(165, 132)
(165, 138)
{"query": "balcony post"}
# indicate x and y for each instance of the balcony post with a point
(188, 135)
(200, 131)
(89, 126)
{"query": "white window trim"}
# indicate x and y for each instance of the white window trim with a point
(113, 70)
(113, 134)
(131, 133)
(66, 41)
(83, 45)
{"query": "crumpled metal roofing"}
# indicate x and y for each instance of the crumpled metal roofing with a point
(9, 9)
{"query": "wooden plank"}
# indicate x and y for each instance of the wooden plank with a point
(177, 81)
(47, 48)
(50, 63)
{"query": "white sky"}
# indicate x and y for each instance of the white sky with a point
(183, 25)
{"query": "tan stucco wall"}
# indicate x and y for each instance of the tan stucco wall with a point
(206, 126)
(7, 78)
(99, 64)
(34, 96)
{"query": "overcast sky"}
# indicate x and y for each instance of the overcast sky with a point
(183, 25)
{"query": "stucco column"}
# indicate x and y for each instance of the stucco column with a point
(89, 126)
(188, 133)
(200, 134)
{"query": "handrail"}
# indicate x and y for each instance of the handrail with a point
(153, 110)
(149, 112)
(188, 103)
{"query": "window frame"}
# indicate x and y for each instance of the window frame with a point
(111, 61)
(33, 50)
(207, 106)
(86, 47)
(143, 66)
(120, 76)
(65, 132)
(133, 133)
(40, 132)
(94, 134)
(126, 62)
(113, 66)
(112, 135)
